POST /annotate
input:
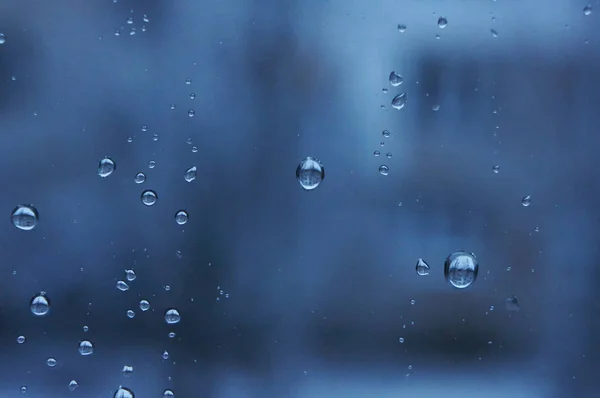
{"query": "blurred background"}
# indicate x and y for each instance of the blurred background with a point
(284, 292)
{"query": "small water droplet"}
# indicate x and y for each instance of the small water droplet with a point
(144, 305)
(168, 394)
(395, 79)
(192, 96)
(512, 303)
(413, 302)
(73, 385)
(460, 269)
(51, 362)
(435, 107)
(155, 137)
(496, 169)
(40, 304)
(127, 370)
(172, 106)
(106, 167)
(399, 101)
(130, 314)
(86, 328)
(2, 38)
(23, 389)
(526, 201)
(181, 217)
(122, 286)
(188, 81)
(190, 174)
(151, 164)
(165, 355)
(587, 10)
(130, 21)
(144, 128)
(310, 173)
(194, 149)
(401, 340)
(86, 347)
(172, 316)
(384, 170)
(139, 178)
(171, 335)
(24, 217)
(130, 139)
(401, 28)
(130, 275)
(384, 90)
(388, 155)
(376, 153)
(422, 267)
(191, 113)
(385, 134)
(149, 197)
(123, 392)
(21, 339)
(494, 33)
(442, 22)
(145, 18)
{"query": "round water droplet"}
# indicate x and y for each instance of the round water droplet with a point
(144, 305)
(155, 137)
(384, 170)
(401, 28)
(181, 217)
(194, 149)
(73, 385)
(130, 314)
(51, 362)
(86, 328)
(435, 107)
(122, 286)
(86, 347)
(139, 178)
(190, 174)
(40, 304)
(399, 101)
(106, 167)
(460, 269)
(494, 33)
(123, 392)
(395, 79)
(413, 301)
(23, 389)
(188, 81)
(25, 217)
(587, 10)
(172, 316)
(144, 128)
(191, 113)
(172, 106)
(401, 340)
(385, 134)
(2, 38)
(21, 339)
(310, 173)
(130, 275)
(496, 169)
(388, 155)
(130, 20)
(168, 394)
(192, 96)
(151, 164)
(442, 22)
(149, 197)
(171, 335)
(526, 201)
(422, 267)
(376, 153)
(165, 355)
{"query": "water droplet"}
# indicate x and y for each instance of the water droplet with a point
(130, 314)
(172, 316)
(40, 304)
(512, 303)
(587, 10)
(149, 197)
(192, 96)
(2, 38)
(194, 149)
(165, 355)
(190, 174)
(155, 137)
(122, 286)
(86, 347)
(496, 169)
(23, 389)
(172, 106)
(181, 217)
(494, 33)
(130, 275)
(460, 269)
(191, 113)
(401, 28)
(130, 20)
(399, 101)
(376, 153)
(25, 217)
(310, 173)
(139, 178)
(384, 90)
(388, 155)
(106, 167)
(395, 79)
(536, 229)
(401, 340)
(442, 22)
(171, 335)
(422, 267)
(21, 339)
(384, 170)
(145, 18)
(168, 394)
(127, 370)
(144, 305)
(124, 392)
(73, 385)
(51, 362)
(413, 301)
(188, 81)
(167, 288)
(435, 107)
(385, 134)
(86, 328)
(130, 139)
(151, 164)
(526, 201)
(144, 128)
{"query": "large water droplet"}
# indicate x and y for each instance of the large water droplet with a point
(385, 134)
(442, 22)
(181, 217)
(172, 316)
(124, 392)
(190, 174)
(130, 275)
(422, 267)
(40, 304)
(25, 217)
(106, 167)
(460, 269)
(149, 197)
(526, 201)
(122, 286)
(395, 79)
(587, 10)
(310, 173)
(399, 101)
(139, 178)
(144, 305)
(384, 170)
(86, 348)
(21, 339)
